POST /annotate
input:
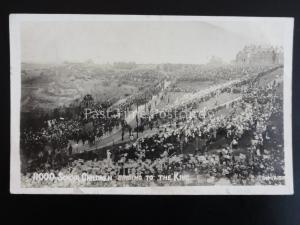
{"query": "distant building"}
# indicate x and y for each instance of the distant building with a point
(253, 54)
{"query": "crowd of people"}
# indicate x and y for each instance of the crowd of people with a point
(162, 153)
(221, 72)
(140, 98)
(53, 138)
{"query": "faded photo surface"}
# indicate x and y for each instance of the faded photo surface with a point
(151, 105)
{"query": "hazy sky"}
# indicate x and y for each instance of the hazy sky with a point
(142, 42)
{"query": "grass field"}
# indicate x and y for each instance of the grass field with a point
(270, 77)
(53, 89)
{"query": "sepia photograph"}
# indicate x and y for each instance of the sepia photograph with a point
(168, 105)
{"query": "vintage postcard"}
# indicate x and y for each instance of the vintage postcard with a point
(123, 104)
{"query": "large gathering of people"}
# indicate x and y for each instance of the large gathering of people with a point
(43, 144)
(220, 72)
(237, 140)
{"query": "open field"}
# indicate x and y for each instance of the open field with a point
(47, 86)
(277, 74)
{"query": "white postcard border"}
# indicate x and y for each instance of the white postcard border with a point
(15, 85)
